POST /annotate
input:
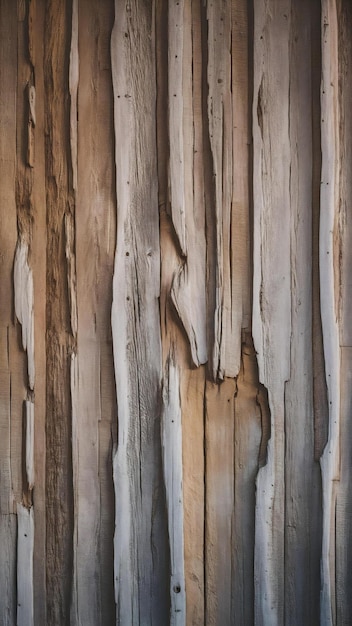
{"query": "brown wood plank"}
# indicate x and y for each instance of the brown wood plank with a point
(219, 500)
(38, 264)
(93, 400)
(8, 234)
(59, 338)
(249, 423)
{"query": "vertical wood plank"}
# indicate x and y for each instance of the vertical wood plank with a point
(186, 184)
(25, 549)
(302, 475)
(94, 404)
(344, 494)
(220, 136)
(240, 235)
(329, 276)
(271, 288)
(250, 424)
(38, 264)
(8, 236)
(171, 425)
(8, 540)
(219, 500)
(141, 587)
(343, 498)
(192, 405)
(60, 341)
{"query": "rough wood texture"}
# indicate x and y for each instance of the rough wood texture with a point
(93, 246)
(302, 480)
(329, 295)
(141, 587)
(171, 426)
(25, 547)
(60, 342)
(272, 289)
(343, 499)
(175, 365)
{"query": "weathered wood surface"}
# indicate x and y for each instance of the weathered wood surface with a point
(271, 289)
(175, 337)
(141, 554)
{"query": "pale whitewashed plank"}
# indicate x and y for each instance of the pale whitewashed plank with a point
(186, 185)
(343, 531)
(141, 587)
(329, 292)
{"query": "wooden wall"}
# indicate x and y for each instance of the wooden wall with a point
(175, 305)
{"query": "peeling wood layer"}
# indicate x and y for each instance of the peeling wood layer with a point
(23, 288)
(175, 343)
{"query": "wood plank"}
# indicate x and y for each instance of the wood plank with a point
(240, 253)
(191, 391)
(186, 183)
(25, 548)
(60, 342)
(329, 254)
(8, 542)
(250, 421)
(302, 475)
(219, 500)
(192, 405)
(171, 428)
(220, 109)
(8, 236)
(38, 264)
(344, 499)
(345, 157)
(92, 156)
(344, 495)
(29, 447)
(141, 587)
(271, 288)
